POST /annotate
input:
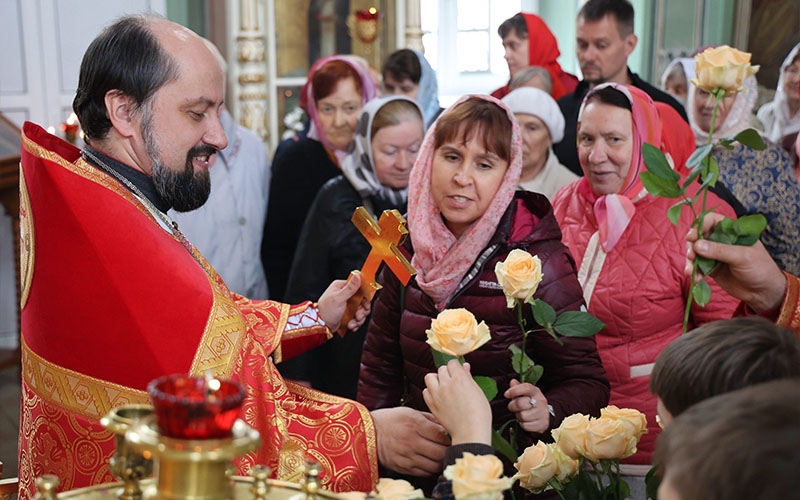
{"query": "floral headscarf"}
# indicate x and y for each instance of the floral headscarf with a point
(775, 115)
(359, 165)
(308, 103)
(441, 259)
(428, 92)
(738, 117)
(615, 211)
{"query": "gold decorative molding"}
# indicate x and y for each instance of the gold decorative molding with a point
(254, 96)
(246, 78)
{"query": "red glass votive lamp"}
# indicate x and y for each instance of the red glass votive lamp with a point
(194, 407)
(367, 24)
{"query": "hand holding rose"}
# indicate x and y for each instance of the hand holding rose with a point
(534, 419)
(451, 395)
(409, 441)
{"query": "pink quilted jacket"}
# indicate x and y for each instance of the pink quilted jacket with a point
(640, 293)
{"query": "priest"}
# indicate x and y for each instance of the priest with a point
(113, 294)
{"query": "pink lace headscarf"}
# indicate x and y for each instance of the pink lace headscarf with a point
(441, 259)
(615, 211)
(309, 104)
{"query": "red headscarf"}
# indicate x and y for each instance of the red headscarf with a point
(677, 136)
(615, 211)
(543, 51)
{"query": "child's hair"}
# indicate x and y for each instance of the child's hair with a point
(394, 113)
(742, 444)
(402, 64)
(720, 357)
(473, 118)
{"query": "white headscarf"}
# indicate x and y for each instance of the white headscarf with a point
(536, 102)
(738, 118)
(688, 65)
(359, 165)
(775, 115)
(428, 91)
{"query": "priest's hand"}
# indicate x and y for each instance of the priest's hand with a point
(529, 405)
(746, 272)
(410, 441)
(451, 394)
(333, 302)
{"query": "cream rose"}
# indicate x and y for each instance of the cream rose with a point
(609, 438)
(566, 466)
(571, 435)
(536, 466)
(456, 332)
(478, 477)
(634, 419)
(519, 275)
(723, 67)
(354, 495)
(396, 489)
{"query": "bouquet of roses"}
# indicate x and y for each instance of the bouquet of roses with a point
(583, 444)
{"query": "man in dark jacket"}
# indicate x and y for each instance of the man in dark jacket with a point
(605, 39)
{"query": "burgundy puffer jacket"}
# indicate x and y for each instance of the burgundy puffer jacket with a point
(395, 352)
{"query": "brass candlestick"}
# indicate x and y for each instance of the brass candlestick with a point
(196, 469)
(128, 464)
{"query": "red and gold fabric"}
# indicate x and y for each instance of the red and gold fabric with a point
(789, 315)
(111, 300)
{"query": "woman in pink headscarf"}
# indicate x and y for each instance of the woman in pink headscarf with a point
(464, 216)
(336, 89)
(630, 258)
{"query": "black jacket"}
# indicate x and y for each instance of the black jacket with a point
(330, 246)
(299, 170)
(570, 104)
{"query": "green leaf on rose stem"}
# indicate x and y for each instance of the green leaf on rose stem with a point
(520, 361)
(702, 292)
(503, 447)
(727, 143)
(674, 212)
(651, 483)
(440, 358)
(543, 313)
(749, 229)
(624, 489)
(698, 155)
(577, 324)
(710, 173)
(657, 186)
(488, 386)
(750, 138)
(549, 329)
(533, 374)
(657, 163)
(705, 265)
(694, 172)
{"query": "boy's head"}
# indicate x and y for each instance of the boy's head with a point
(720, 357)
(742, 444)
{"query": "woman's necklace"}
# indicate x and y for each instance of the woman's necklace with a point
(149, 205)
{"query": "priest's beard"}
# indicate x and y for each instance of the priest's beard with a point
(184, 191)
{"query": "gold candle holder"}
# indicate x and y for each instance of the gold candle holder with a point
(128, 464)
(193, 469)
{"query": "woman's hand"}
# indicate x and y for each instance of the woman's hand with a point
(746, 272)
(459, 404)
(529, 405)
(333, 301)
(410, 441)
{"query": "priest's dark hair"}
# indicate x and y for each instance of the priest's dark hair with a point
(126, 57)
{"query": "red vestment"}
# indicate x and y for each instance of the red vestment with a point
(111, 300)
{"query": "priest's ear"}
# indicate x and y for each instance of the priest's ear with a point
(121, 110)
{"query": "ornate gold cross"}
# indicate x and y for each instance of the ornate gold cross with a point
(384, 237)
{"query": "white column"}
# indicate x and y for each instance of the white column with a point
(250, 71)
(414, 26)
